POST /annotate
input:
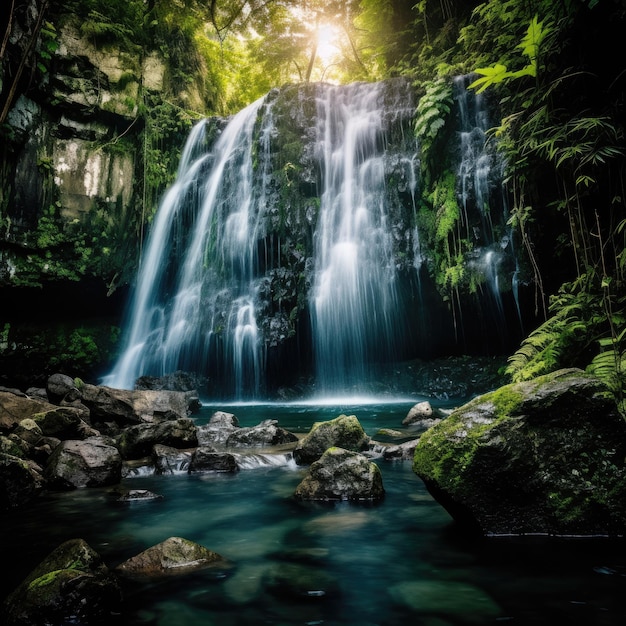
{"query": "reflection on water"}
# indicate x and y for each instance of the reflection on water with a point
(398, 562)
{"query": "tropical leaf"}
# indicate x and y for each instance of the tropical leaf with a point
(490, 76)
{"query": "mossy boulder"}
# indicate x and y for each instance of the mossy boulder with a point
(344, 431)
(341, 475)
(173, 557)
(71, 585)
(543, 456)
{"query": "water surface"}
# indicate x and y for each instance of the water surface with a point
(402, 561)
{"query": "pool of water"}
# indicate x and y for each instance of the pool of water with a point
(402, 561)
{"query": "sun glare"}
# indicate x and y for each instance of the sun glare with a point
(327, 40)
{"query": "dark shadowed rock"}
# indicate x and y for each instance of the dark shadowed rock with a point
(60, 387)
(134, 407)
(341, 475)
(70, 586)
(344, 431)
(90, 463)
(137, 495)
(64, 423)
(173, 557)
(543, 456)
(168, 460)
(206, 459)
(20, 481)
(137, 441)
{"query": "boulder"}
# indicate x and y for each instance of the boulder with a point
(219, 428)
(60, 387)
(168, 460)
(267, 433)
(544, 456)
(172, 557)
(135, 407)
(137, 495)
(344, 431)
(90, 463)
(20, 481)
(422, 416)
(341, 475)
(137, 441)
(402, 452)
(207, 459)
(70, 586)
(64, 423)
(14, 408)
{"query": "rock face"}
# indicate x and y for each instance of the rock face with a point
(344, 431)
(543, 456)
(70, 586)
(341, 475)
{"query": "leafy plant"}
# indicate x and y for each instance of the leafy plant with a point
(530, 48)
(579, 333)
(432, 113)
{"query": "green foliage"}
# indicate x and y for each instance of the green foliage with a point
(432, 114)
(587, 328)
(48, 45)
(529, 46)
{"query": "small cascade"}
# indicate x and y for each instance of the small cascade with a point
(353, 299)
(481, 195)
(262, 460)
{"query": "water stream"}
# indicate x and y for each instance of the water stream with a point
(399, 562)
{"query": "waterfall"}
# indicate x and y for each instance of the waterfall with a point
(354, 296)
(481, 194)
(194, 301)
(288, 245)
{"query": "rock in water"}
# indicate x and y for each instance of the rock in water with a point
(344, 431)
(174, 556)
(541, 456)
(341, 475)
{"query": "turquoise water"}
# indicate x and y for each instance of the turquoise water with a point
(402, 561)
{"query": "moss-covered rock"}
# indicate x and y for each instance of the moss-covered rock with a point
(543, 456)
(174, 556)
(71, 585)
(341, 475)
(344, 431)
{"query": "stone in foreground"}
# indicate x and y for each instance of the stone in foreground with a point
(174, 556)
(70, 586)
(546, 456)
(341, 475)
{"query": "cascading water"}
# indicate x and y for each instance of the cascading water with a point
(479, 180)
(291, 244)
(194, 302)
(354, 301)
